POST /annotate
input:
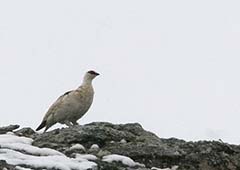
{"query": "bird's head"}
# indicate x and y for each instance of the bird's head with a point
(90, 75)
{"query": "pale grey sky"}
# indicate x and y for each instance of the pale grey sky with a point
(172, 66)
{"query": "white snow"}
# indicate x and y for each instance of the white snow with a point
(89, 157)
(11, 145)
(22, 168)
(30, 149)
(10, 133)
(173, 168)
(77, 146)
(123, 141)
(94, 147)
(54, 161)
(123, 159)
(9, 138)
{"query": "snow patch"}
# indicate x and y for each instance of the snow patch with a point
(120, 158)
(30, 149)
(123, 141)
(11, 146)
(22, 168)
(52, 161)
(89, 157)
(10, 133)
(94, 147)
(77, 147)
(9, 138)
(173, 168)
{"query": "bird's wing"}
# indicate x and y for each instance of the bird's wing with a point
(56, 104)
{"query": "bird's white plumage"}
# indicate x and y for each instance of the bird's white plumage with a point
(71, 106)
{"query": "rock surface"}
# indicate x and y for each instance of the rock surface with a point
(9, 128)
(133, 141)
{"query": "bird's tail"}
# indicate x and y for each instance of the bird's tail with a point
(42, 125)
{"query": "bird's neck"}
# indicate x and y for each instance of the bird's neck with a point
(87, 81)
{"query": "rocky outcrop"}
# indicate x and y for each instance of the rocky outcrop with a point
(3, 164)
(9, 128)
(133, 141)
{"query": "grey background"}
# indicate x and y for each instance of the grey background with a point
(172, 66)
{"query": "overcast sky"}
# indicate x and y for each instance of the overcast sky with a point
(173, 66)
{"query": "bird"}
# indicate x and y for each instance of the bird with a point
(72, 105)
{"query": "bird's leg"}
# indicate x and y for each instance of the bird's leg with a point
(46, 128)
(68, 123)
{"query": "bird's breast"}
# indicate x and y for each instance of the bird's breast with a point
(84, 99)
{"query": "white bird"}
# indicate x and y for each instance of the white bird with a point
(72, 105)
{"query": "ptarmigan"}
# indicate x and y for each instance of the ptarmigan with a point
(72, 105)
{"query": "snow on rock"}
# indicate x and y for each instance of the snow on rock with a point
(120, 158)
(10, 133)
(173, 168)
(94, 147)
(77, 147)
(11, 145)
(53, 161)
(9, 138)
(22, 168)
(123, 141)
(89, 157)
(30, 149)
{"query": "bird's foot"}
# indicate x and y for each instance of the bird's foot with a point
(68, 123)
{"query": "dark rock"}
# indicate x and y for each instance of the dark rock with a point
(116, 166)
(95, 133)
(27, 132)
(9, 128)
(4, 165)
(142, 146)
